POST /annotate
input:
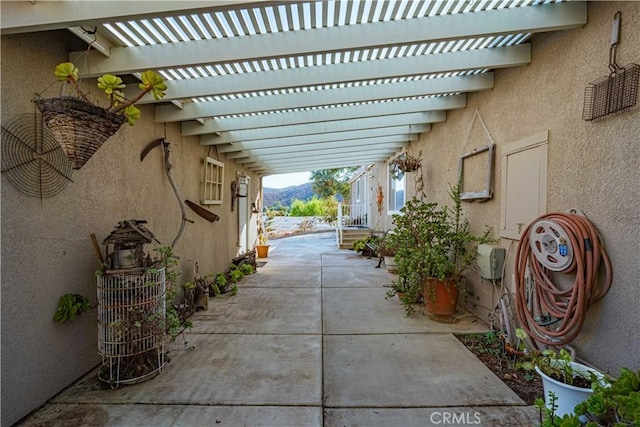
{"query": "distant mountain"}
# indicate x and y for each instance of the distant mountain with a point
(287, 195)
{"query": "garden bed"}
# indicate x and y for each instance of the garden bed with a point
(489, 349)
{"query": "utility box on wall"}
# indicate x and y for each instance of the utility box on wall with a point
(490, 261)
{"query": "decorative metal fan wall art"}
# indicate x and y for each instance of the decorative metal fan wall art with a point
(32, 160)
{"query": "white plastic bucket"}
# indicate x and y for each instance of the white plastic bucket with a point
(568, 396)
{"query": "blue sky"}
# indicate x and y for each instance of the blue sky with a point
(285, 180)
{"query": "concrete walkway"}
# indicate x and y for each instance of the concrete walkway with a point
(310, 340)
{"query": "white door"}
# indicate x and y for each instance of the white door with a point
(244, 214)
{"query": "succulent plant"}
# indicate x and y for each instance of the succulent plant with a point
(112, 86)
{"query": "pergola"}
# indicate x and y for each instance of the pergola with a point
(284, 86)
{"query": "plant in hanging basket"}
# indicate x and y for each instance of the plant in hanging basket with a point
(81, 126)
(405, 163)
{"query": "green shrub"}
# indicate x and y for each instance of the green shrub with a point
(313, 207)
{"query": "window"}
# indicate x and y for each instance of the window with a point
(212, 182)
(396, 189)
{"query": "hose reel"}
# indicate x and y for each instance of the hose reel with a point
(550, 245)
(565, 243)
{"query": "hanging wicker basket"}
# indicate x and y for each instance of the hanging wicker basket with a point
(409, 164)
(79, 126)
(404, 164)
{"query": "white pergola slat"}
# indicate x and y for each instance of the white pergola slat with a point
(276, 132)
(385, 146)
(329, 145)
(345, 162)
(284, 86)
(552, 17)
(20, 16)
(318, 156)
(338, 158)
(381, 109)
(327, 97)
(324, 137)
(499, 57)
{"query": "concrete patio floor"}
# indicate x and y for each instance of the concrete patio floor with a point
(310, 340)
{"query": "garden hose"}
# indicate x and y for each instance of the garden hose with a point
(565, 243)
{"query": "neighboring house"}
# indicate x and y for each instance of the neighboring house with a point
(547, 158)
(357, 211)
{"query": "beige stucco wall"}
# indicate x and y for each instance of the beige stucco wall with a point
(591, 166)
(46, 246)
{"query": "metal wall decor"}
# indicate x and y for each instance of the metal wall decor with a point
(618, 91)
(32, 160)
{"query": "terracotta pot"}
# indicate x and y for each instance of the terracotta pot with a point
(440, 296)
(263, 251)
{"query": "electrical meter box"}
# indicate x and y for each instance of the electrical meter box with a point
(490, 261)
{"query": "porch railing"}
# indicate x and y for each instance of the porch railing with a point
(351, 216)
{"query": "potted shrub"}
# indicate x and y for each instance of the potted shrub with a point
(386, 248)
(435, 248)
(81, 126)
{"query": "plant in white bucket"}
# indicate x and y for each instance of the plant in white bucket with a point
(565, 383)
(569, 381)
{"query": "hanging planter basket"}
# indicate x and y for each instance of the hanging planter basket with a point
(79, 126)
(404, 164)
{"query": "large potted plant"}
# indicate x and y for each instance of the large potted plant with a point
(80, 125)
(435, 250)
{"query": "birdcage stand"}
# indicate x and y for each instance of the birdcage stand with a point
(131, 326)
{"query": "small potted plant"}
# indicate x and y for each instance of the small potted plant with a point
(565, 383)
(386, 248)
(81, 126)
(614, 402)
(367, 246)
(401, 286)
(262, 248)
(435, 248)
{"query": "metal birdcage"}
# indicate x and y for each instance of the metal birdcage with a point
(131, 326)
